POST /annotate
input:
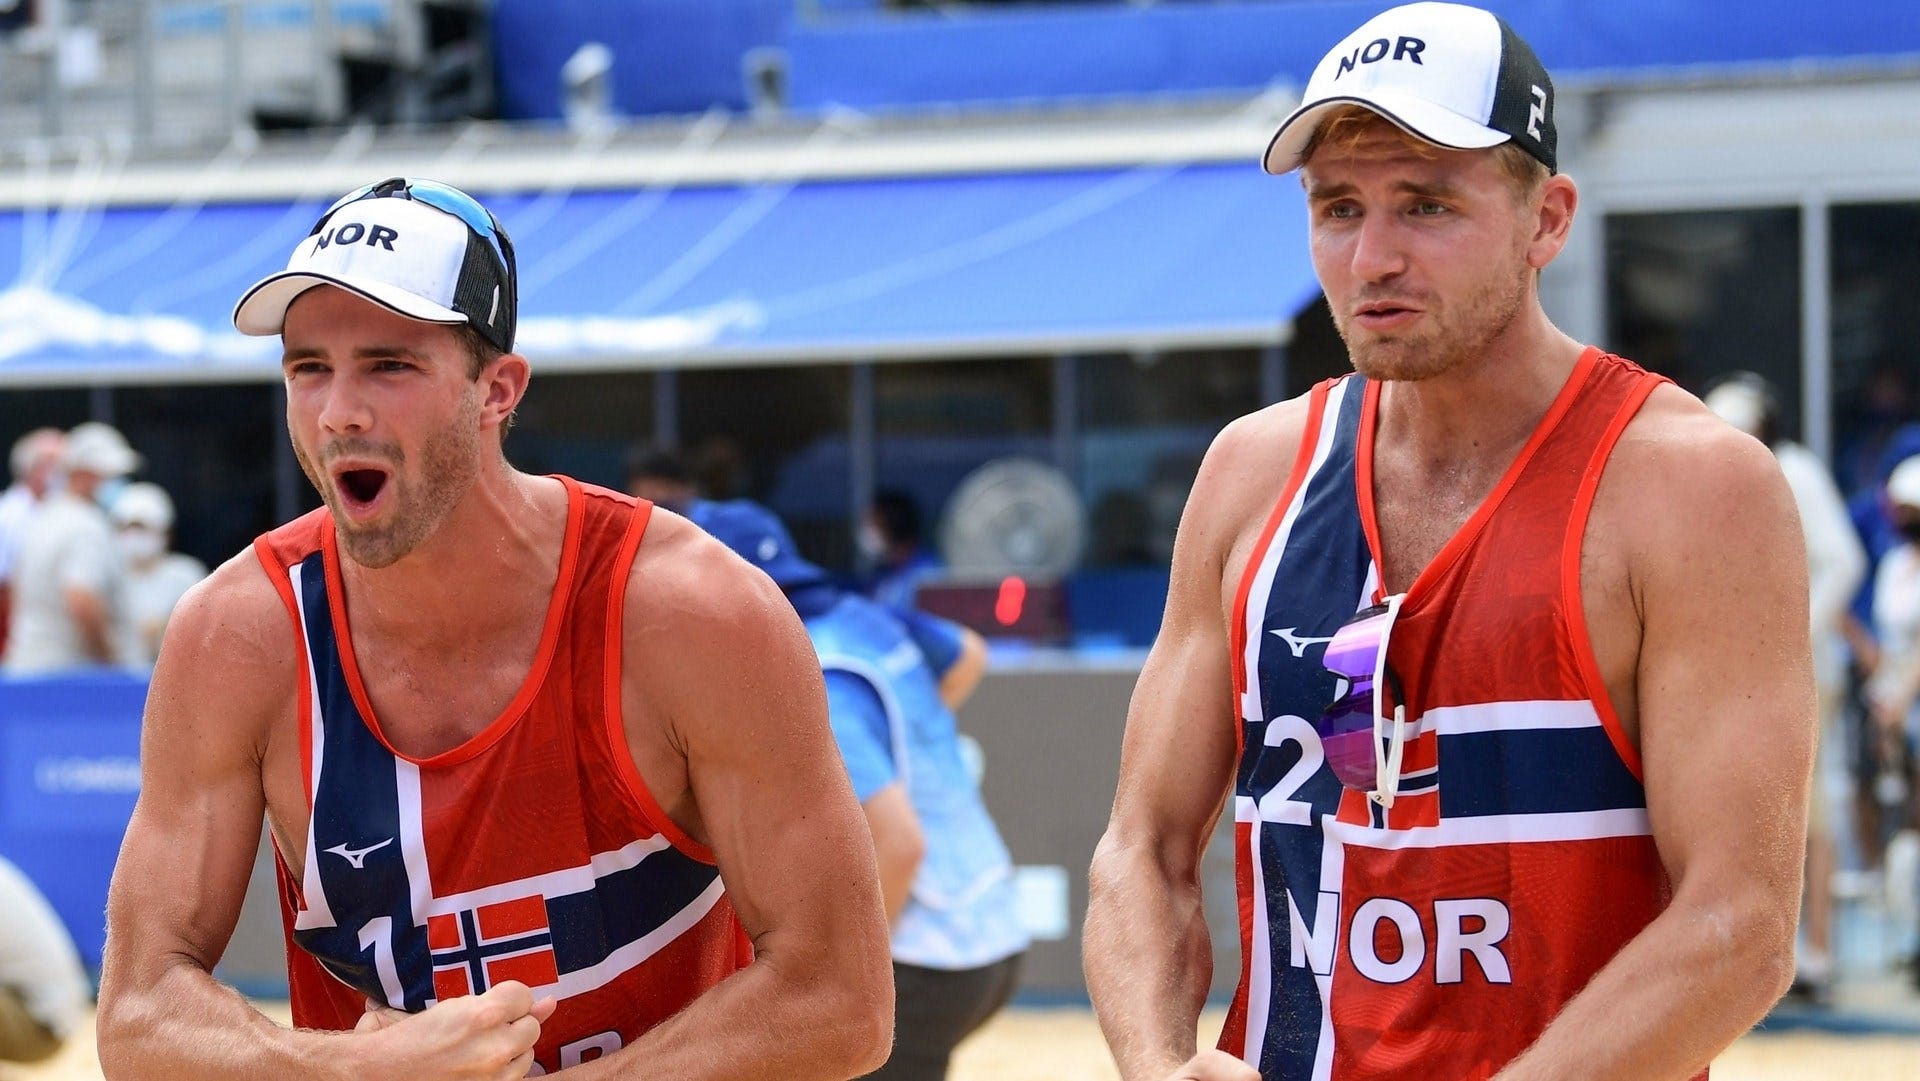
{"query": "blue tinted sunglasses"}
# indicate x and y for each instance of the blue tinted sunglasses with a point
(442, 197)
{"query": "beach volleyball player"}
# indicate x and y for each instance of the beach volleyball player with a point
(548, 775)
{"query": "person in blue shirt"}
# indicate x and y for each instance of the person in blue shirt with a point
(894, 539)
(894, 678)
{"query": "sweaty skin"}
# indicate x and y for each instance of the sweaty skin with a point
(718, 742)
(1693, 578)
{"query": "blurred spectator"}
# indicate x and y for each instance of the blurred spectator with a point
(1873, 522)
(43, 990)
(156, 577)
(35, 459)
(1895, 686)
(1884, 406)
(893, 681)
(1836, 565)
(660, 475)
(70, 583)
(894, 542)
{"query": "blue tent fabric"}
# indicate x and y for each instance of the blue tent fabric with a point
(839, 270)
(685, 56)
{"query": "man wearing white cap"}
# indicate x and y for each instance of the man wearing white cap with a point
(33, 462)
(156, 577)
(1496, 650)
(69, 583)
(548, 775)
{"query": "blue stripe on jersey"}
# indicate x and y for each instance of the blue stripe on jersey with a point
(623, 907)
(1567, 769)
(1322, 572)
(356, 806)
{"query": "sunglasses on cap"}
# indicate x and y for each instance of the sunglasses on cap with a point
(478, 220)
(1364, 749)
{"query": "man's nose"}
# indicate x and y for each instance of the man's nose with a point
(345, 408)
(1378, 254)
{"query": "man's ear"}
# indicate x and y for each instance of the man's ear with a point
(1559, 198)
(503, 382)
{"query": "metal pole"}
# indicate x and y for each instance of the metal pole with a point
(145, 40)
(234, 60)
(329, 91)
(1066, 416)
(100, 403)
(1273, 374)
(666, 407)
(1816, 337)
(862, 425)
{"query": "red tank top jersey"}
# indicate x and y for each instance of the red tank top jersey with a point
(531, 852)
(1438, 938)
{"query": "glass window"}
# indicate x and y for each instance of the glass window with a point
(1875, 334)
(582, 424)
(1146, 420)
(937, 421)
(779, 436)
(1696, 294)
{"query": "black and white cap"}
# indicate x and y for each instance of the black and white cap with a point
(1454, 75)
(405, 254)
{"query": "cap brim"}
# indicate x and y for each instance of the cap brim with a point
(1416, 116)
(263, 310)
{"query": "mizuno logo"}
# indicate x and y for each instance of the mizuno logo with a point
(357, 856)
(1296, 643)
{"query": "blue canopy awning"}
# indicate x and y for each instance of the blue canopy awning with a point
(1145, 257)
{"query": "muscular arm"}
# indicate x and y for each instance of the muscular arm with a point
(183, 866)
(960, 680)
(225, 676)
(1725, 705)
(717, 647)
(1148, 957)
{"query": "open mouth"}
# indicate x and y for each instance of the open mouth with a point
(361, 487)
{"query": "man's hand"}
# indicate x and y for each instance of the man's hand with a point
(487, 1037)
(1215, 1066)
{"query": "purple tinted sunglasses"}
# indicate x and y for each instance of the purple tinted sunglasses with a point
(1364, 751)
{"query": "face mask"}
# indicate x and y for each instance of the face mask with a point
(109, 491)
(872, 544)
(141, 545)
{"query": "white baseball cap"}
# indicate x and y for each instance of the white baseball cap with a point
(419, 248)
(1456, 76)
(143, 504)
(100, 449)
(1903, 484)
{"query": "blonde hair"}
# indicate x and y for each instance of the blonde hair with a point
(1348, 124)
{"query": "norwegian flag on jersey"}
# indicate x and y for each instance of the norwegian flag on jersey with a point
(475, 948)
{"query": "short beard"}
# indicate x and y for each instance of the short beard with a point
(1442, 347)
(449, 463)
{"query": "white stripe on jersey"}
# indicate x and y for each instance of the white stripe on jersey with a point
(1500, 829)
(315, 911)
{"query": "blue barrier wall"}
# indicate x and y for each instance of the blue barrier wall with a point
(69, 775)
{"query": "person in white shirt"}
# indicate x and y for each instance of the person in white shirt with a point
(34, 461)
(44, 993)
(69, 603)
(1836, 565)
(1894, 689)
(156, 577)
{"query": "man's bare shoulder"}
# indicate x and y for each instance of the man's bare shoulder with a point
(690, 599)
(1679, 471)
(229, 647)
(1245, 470)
